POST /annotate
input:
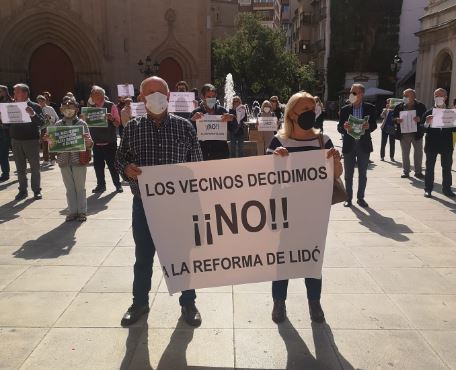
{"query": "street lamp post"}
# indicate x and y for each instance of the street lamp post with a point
(148, 69)
(395, 67)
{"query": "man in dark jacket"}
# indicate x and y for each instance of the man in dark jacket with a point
(25, 140)
(438, 141)
(236, 128)
(4, 138)
(357, 151)
(413, 138)
(105, 141)
(212, 149)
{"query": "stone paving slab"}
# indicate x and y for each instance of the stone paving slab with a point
(389, 289)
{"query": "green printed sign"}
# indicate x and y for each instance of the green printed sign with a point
(356, 129)
(95, 117)
(66, 139)
(394, 102)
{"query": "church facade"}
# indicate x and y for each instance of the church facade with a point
(68, 45)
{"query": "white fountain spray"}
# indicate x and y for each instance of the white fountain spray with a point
(229, 91)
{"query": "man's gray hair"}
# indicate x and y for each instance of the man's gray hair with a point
(409, 90)
(441, 90)
(98, 88)
(155, 78)
(360, 86)
(22, 87)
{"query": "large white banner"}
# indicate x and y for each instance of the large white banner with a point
(443, 118)
(239, 221)
(211, 127)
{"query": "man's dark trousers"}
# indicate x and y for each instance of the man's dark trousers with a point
(101, 154)
(356, 157)
(144, 253)
(446, 158)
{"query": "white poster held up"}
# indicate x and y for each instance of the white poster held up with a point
(125, 90)
(443, 118)
(211, 127)
(267, 123)
(14, 113)
(181, 102)
(138, 109)
(239, 220)
(408, 123)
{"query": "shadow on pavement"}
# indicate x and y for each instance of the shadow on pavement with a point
(53, 244)
(97, 204)
(8, 184)
(450, 203)
(174, 356)
(381, 225)
(9, 211)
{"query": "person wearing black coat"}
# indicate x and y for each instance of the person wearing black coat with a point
(438, 141)
(357, 151)
(413, 138)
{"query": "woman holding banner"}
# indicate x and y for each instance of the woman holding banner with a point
(298, 134)
(73, 164)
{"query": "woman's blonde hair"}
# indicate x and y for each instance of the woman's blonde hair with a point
(287, 126)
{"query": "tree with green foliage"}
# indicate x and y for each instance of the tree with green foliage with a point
(364, 38)
(256, 57)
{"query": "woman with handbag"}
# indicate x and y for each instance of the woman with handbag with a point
(73, 165)
(298, 134)
(388, 131)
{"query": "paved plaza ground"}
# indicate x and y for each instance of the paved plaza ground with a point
(389, 289)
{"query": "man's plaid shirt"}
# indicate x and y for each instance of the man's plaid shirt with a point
(143, 144)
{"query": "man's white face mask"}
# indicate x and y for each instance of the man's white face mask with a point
(406, 100)
(352, 98)
(156, 103)
(267, 109)
(439, 101)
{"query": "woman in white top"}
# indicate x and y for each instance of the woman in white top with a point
(50, 117)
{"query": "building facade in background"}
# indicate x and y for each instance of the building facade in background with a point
(269, 11)
(68, 45)
(437, 46)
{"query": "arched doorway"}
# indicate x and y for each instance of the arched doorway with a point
(444, 69)
(171, 72)
(50, 69)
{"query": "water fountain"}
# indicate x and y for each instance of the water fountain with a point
(229, 91)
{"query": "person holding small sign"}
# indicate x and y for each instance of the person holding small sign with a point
(263, 138)
(73, 170)
(357, 151)
(297, 135)
(25, 140)
(154, 139)
(105, 139)
(438, 141)
(236, 128)
(411, 138)
(212, 149)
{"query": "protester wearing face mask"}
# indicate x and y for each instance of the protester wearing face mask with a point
(357, 151)
(236, 128)
(105, 139)
(319, 113)
(263, 138)
(50, 116)
(212, 149)
(182, 87)
(154, 139)
(73, 170)
(438, 141)
(297, 135)
(414, 138)
(388, 131)
(5, 141)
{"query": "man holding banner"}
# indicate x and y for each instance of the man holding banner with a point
(357, 151)
(154, 139)
(212, 149)
(439, 140)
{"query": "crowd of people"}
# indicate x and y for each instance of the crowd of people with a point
(160, 137)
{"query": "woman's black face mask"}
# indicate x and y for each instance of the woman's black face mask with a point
(306, 120)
